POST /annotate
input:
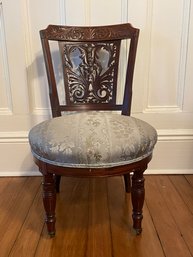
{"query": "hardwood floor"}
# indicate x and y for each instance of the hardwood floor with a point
(94, 218)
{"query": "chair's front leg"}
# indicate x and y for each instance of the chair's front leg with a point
(49, 200)
(137, 195)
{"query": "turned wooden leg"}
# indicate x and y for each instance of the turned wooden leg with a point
(57, 181)
(49, 200)
(137, 196)
(127, 183)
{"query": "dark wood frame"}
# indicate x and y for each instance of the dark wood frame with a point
(89, 34)
(52, 173)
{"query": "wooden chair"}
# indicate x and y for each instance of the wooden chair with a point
(85, 137)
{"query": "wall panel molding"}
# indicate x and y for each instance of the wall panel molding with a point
(183, 52)
(5, 85)
(162, 109)
(183, 37)
(175, 135)
(162, 81)
(163, 135)
(124, 11)
(14, 137)
(29, 54)
(42, 111)
(87, 7)
(62, 11)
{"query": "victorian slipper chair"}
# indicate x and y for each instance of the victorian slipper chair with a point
(85, 137)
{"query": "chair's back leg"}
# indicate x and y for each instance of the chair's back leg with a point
(127, 181)
(57, 183)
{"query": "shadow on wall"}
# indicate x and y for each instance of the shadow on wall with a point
(39, 101)
(38, 86)
(28, 166)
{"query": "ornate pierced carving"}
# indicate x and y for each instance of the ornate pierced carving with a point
(88, 33)
(90, 71)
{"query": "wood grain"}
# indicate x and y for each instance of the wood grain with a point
(94, 218)
(178, 209)
(125, 241)
(163, 220)
(99, 233)
(29, 235)
(72, 221)
(15, 206)
(185, 189)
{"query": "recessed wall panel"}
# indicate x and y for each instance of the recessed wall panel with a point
(40, 15)
(166, 57)
(5, 89)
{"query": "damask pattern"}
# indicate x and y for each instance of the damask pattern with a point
(92, 140)
(90, 71)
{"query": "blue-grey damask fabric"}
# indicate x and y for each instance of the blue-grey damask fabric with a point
(92, 139)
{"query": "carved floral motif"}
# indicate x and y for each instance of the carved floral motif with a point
(89, 71)
(91, 33)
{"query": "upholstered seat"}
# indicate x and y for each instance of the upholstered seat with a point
(92, 140)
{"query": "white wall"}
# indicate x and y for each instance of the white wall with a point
(163, 82)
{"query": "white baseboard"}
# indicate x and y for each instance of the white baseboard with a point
(148, 172)
(20, 174)
(173, 154)
(168, 172)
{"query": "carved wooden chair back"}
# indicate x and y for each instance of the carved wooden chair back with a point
(90, 60)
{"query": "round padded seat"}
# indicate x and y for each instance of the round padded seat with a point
(92, 140)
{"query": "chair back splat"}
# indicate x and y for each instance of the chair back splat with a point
(85, 137)
(90, 60)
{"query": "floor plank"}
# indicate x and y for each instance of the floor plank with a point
(125, 241)
(94, 218)
(185, 190)
(178, 209)
(14, 207)
(4, 181)
(72, 221)
(167, 229)
(27, 240)
(99, 234)
(189, 179)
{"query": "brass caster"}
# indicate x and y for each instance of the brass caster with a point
(52, 234)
